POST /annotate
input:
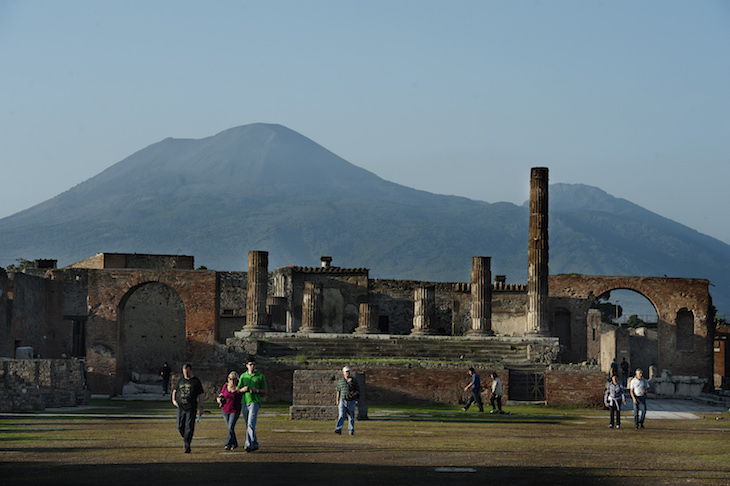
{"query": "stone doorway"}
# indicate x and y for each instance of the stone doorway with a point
(152, 319)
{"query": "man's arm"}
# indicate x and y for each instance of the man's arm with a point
(260, 391)
(174, 397)
(200, 404)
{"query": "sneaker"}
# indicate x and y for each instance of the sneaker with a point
(610, 426)
(618, 426)
(352, 433)
(463, 409)
(501, 411)
(338, 431)
(493, 411)
(641, 425)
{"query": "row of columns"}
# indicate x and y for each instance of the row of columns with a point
(258, 307)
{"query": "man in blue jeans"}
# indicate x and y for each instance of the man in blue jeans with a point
(476, 391)
(348, 393)
(639, 386)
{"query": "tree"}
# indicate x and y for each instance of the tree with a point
(635, 321)
(22, 264)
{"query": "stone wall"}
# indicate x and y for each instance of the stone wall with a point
(583, 388)
(7, 342)
(314, 395)
(314, 390)
(37, 384)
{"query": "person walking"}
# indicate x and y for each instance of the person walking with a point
(253, 385)
(639, 386)
(613, 399)
(624, 372)
(497, 393)
(347, 396)
(475, 385)
(165, 373)
(230, 402)
(614, 367)
(188, 398)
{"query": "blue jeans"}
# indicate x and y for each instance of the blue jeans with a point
(346, 408)
(639, 405)
(231, 419)
(251, 413)
(476, 396)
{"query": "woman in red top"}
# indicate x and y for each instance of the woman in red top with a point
(230, 402)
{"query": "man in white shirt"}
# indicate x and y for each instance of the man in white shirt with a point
(639, 386)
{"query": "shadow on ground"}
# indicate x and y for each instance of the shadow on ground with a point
(275, 474)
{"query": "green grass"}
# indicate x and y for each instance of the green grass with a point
(398, 445)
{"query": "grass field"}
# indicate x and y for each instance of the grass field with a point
(118, 442)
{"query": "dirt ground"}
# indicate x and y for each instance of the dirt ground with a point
(122, 443)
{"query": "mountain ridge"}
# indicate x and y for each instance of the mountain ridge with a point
(266, 187)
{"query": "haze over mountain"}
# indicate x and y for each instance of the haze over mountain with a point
(266, 187)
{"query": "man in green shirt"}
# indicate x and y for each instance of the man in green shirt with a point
(253, 385)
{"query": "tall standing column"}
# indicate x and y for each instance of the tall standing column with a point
(367, 320)
(312, 308)
(537, 256)
(481, 297)
(424, 311)
(257, 318)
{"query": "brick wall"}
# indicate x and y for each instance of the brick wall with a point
(584, 388)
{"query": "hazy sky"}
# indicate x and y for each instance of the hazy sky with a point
(452, 97)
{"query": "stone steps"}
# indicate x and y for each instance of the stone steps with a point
(721, 399)
(485, 351)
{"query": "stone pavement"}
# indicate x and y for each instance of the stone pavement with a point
(660, 408)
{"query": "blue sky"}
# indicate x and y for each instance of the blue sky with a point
(452, 97)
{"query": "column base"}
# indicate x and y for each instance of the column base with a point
(366, 330)
(480, 332)
(310, 330)
(423, 332)
(256, 329)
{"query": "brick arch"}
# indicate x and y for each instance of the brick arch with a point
(154, 334)
(668, 296)
(109, 289)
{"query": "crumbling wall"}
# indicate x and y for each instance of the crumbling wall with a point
(37, 384)
(395, 300)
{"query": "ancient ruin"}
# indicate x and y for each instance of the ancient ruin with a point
(123, 314)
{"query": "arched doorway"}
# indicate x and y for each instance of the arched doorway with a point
(152, 324)
(628, 329)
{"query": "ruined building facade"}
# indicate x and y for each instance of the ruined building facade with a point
(127, 313)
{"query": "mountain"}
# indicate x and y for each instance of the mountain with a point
(266, 187)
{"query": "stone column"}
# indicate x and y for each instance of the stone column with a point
(481, 297)
(424, 311)
(276, 309)
(257, 318)
(312, 308)
(367, 320)
(537, 255)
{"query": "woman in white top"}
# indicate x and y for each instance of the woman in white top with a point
(613, 399)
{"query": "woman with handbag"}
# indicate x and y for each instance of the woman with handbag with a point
(229, 400)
